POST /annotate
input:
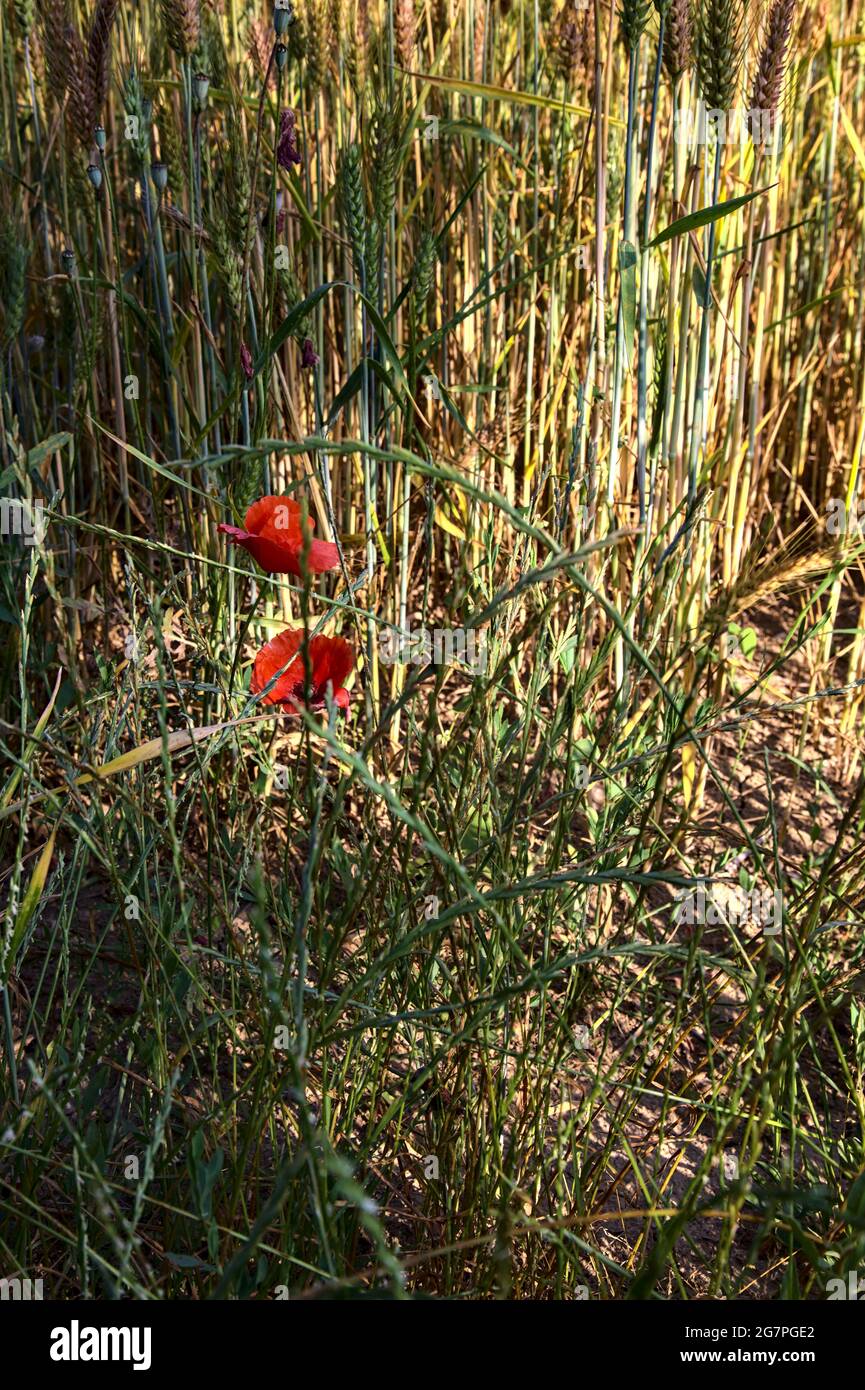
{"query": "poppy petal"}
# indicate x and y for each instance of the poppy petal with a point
(274, 537)
(323, 555)
(284, 511)
(332, 660)
(272, 557)
(282, 651)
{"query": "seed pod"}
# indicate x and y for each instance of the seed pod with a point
(201, 89)
(282, 17)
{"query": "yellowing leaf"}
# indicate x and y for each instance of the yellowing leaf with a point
(448, 526)
(689, 772)
(493, 93)
(39, 730)
(31, 898)
(855, 142)
(152, 748)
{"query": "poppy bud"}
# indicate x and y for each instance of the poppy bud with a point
(308, 354)
(35, 342)
(201, 87)
(283, 15)
(94, 173)
(159, 174)
(281, 55)
(68, 260)
(99, 137)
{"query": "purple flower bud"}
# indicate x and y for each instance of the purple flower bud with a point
(246, 361)
(287, 150)
(308, 354)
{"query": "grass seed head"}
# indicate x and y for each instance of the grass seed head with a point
(81, 105)
(405, 26)
(357, 56)
(99, 53)
(678, 38)
(53, 23)
(182, 19)
(352, 200)
(317, 39)
(25, 16)
(634, 15)
(719, 45)
(14, 255)
(772, 63)
(572, 52)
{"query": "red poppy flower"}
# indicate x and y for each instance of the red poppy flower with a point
(330, 660)
(274, 538)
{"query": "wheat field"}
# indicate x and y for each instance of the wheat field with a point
(432, 599)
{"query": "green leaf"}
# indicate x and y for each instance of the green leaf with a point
(292, 321)
(48, 446)
(480, 132)
(494, 93)
(682, 225)
(628, 273)
(385, 341)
